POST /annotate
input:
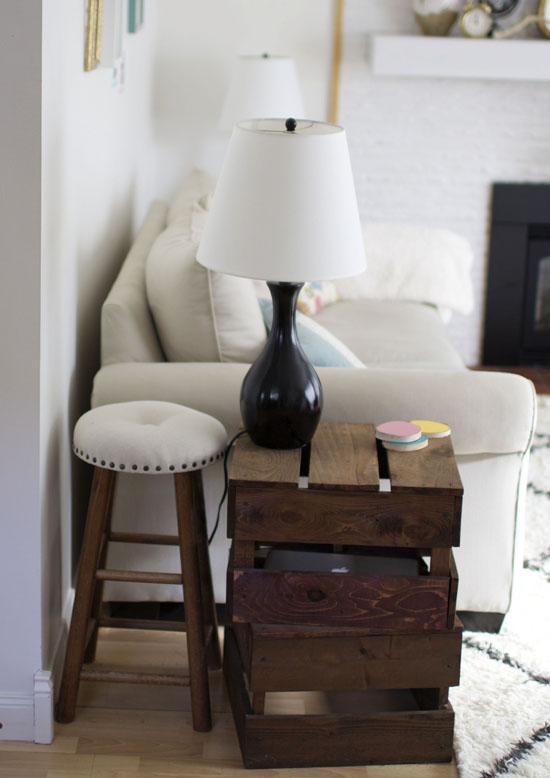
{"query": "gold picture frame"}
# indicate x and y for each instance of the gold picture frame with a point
(94, 26)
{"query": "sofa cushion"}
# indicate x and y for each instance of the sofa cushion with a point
(321, 347)
(414, 262)
(392, 333)
(201, 315)
(127, 328)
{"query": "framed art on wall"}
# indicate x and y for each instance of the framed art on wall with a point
(94, 27)
(135, 15)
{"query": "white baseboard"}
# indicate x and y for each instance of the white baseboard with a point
(29, 716)
(43, 706)
(16, 716)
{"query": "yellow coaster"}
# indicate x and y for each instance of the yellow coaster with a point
(433, 429)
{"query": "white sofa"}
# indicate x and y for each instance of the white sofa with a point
(412, 371)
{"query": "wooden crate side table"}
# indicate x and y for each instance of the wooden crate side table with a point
(309, 630)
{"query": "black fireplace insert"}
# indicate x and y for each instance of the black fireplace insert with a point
(517, 313)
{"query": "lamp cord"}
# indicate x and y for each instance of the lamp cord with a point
(226, 482)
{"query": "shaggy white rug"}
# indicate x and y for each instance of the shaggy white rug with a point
(502, 705)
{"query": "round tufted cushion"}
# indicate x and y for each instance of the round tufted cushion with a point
(148, 437)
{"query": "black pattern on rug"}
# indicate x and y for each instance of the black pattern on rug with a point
(518, 752)
(505, 658)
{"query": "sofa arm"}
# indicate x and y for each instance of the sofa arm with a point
(489, 412)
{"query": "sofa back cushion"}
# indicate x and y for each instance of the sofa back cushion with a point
(201, 316)
(127, 329)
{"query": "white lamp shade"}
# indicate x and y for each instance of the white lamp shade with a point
(285, 207)
(262, 86)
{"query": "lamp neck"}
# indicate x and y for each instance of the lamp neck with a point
(284, 297)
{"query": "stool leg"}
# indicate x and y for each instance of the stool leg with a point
(213, 653)
(89, 653)
(198, 673)
(102, 484)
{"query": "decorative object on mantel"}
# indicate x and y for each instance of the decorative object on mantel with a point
(478, 19)
(285, 211)
(436, 17)
(542, 19)
(502, 7)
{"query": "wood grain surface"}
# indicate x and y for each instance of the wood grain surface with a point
(431, 470)
(370, 518)
(365, 662)
(343, 456)
(253, 464)
(406, 602)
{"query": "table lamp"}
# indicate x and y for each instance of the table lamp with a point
(261, 85)
(285, 212)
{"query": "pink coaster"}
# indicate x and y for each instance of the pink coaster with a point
(401, 431)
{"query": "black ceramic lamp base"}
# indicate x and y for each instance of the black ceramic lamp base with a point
(281, 395)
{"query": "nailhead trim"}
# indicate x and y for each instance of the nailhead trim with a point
(146, 468)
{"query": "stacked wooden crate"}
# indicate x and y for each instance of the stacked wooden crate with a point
(330, 594)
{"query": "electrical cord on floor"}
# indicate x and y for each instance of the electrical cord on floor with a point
(226, 482)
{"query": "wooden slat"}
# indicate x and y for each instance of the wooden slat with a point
(236, 689)
(316, 516)
(340, 663)
(261, 632)
(150, 624)
(406, 602)
(453, 590)
(343, 456)
(324, 740)
(457, 521)
(252, 464)
(136, 576)
(440, 561)
(430, 470)
(114, 676)
(139, 537)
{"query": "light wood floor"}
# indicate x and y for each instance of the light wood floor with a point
(135, 731)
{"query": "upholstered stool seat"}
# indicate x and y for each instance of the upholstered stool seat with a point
(150, 438)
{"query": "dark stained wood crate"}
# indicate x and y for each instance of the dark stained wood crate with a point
(327, 599)
(313, 658)
(276, 741)
(334, 630)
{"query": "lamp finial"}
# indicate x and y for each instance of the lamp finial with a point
(291, 124)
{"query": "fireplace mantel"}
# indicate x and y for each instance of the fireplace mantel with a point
(450, 57)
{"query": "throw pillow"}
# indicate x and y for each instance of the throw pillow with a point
(316, 294)
(321, 346)
(200, 315)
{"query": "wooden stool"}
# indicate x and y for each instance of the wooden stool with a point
(152, 438)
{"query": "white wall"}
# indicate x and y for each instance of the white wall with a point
(426, 150)
(97, 179)
(20, 52)
(197, 45)
(68, 217)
